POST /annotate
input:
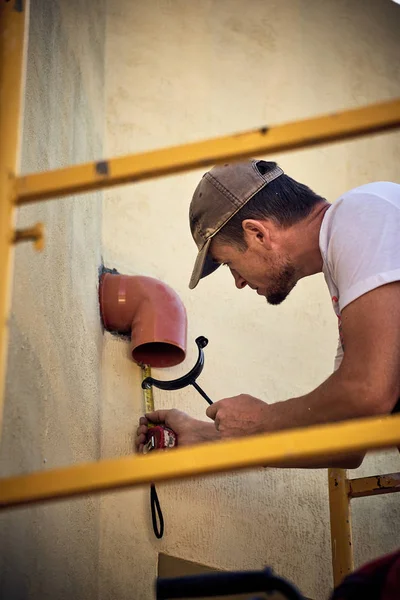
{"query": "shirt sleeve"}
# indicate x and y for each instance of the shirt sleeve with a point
(364, 245)
(339, 356)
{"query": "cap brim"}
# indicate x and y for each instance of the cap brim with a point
(203, 266)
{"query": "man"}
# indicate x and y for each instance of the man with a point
(272, 231)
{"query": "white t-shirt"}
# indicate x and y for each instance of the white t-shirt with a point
(360, 244)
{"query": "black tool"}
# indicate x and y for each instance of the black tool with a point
(224, 584)
(174, 384)
(188, 379)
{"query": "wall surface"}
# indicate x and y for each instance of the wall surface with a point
(176, 72)
(181, 71)
(52, 411)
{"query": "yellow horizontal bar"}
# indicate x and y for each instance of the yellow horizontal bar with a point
(373, 486)
(278, 449)
(266, 140)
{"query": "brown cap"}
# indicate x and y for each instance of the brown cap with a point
(221, 193)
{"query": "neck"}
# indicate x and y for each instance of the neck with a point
(306, 250)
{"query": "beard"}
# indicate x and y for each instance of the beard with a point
(281, 287)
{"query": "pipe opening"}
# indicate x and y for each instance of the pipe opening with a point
(158, 354)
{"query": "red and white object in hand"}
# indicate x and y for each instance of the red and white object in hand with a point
(160, 437)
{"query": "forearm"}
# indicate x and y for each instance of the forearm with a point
(343, 461)
(337, 399)
(334, 400)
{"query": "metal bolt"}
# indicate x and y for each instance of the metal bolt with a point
(31, 234)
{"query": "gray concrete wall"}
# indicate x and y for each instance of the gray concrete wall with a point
(53, 394)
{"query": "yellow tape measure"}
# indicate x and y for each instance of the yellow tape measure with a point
(158, 527)
(147, 393)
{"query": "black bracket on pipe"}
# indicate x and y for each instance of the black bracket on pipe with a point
(185, 380)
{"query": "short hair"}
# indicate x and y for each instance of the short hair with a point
(283, 200)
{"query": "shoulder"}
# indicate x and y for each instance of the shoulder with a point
(381, 193)
(362, 208)
(384, 194)
(359, 240)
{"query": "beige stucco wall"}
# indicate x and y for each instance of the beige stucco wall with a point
(175, 72)
(53, 394)
(181, 71)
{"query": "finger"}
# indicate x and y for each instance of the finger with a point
(217, 424)
(142, 429)
(143, 421)
(139, 441)
(158, 416)
(140, 449)
(212, 410)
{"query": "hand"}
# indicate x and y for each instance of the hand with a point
(239, 416)
(189, 431)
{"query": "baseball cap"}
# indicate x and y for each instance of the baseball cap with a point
(221, 193)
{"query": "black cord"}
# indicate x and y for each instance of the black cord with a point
(154, 501)
(156, 511)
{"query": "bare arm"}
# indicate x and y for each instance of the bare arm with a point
(367, 383)
(368, 380)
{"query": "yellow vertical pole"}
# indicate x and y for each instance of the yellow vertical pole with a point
(340, 517)
(13, 44)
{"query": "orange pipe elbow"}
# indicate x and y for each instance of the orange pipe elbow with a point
(151, 312)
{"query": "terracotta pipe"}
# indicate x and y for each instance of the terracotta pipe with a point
(151, 312)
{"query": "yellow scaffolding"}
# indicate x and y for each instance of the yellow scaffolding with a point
(282, 448)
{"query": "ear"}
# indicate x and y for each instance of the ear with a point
(257, 232)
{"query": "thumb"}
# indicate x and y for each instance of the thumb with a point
(212, 410)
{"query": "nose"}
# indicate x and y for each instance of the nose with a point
(239, 281)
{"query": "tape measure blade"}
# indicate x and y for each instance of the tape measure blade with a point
(147, 393)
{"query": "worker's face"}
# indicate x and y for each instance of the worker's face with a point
(264, 266)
